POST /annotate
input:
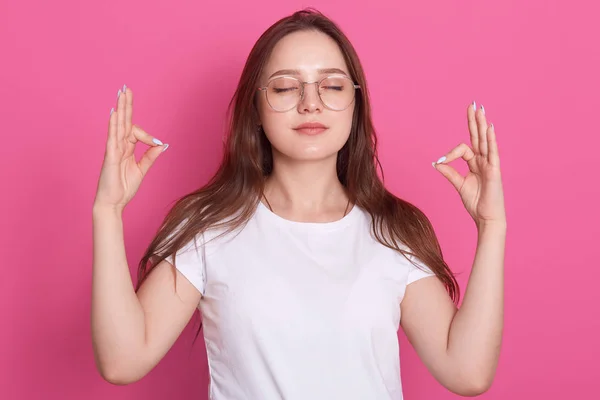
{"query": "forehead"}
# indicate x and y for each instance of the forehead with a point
(306, 51)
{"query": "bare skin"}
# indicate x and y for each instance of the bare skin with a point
(133, 331)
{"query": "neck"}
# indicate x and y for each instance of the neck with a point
(308, 189)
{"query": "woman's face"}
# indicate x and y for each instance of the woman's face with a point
(308, 56)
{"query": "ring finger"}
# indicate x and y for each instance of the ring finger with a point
(121, 115)
(482, 128)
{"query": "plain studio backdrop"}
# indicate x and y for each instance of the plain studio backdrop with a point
(533, 65)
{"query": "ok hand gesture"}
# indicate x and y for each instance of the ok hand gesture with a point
(121, 175)
(481, 190)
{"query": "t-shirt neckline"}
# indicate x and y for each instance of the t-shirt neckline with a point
(310, 226)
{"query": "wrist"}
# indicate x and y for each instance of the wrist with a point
(492, 226)
(99, 210)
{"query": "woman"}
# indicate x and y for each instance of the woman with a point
(299, 259)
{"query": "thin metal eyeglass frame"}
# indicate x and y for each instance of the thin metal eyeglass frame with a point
(302, 84)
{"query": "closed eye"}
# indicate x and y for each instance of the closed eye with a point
(339, 88)
(277, 90)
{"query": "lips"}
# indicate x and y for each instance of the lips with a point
(310, 128)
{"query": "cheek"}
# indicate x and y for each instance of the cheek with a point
(272, 120)
(276, 124)
(347, 120)
(343, 126)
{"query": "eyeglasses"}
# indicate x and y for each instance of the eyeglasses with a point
(336, 92)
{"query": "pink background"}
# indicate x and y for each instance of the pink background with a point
(532, 64)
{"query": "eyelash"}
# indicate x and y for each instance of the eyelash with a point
(338, 88)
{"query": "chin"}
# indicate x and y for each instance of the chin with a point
(312, 153)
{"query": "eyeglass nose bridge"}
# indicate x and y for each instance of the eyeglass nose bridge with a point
(302, 86)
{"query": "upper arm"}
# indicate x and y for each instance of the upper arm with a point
(427, 312)
(169, 296)
(169, 300)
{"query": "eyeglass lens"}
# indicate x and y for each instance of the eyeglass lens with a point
(284, 93)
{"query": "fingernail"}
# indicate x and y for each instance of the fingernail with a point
(112, 110)
(156, 141)
(166, 147)
(482, 109)
(441, 160)
(124, 88)
(118, 94)
(433, 164)
(474, 106)
(492, 125)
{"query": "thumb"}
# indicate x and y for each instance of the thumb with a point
(150, 157)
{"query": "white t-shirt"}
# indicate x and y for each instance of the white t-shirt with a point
(298, 311)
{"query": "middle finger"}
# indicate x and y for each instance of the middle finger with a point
(473, 127)
(128, 111)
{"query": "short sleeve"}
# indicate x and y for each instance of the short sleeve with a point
(190, 262)
(415, 273)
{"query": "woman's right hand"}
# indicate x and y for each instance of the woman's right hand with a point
(121, 174)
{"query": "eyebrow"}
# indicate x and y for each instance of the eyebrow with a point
(297, 72)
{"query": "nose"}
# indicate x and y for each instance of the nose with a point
(310, 101)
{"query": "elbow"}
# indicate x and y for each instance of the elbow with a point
(474, 385)
(116, 378)
(121, 367)
(118, 374)
(468, 381)
(473, 390)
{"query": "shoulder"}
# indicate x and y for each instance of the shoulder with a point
(401, 259)
(223, 232)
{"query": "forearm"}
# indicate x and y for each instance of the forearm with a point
(475, 335)
(117, 318)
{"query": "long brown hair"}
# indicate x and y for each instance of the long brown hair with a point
(231, 196)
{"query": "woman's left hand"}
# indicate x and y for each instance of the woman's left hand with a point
(481, 190)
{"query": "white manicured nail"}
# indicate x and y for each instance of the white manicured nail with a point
(112, 110)
(166, 147)
(474, 106)
(118, 94)
(124, 88)
(156, 141)
(482, 109)
(441, 160)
